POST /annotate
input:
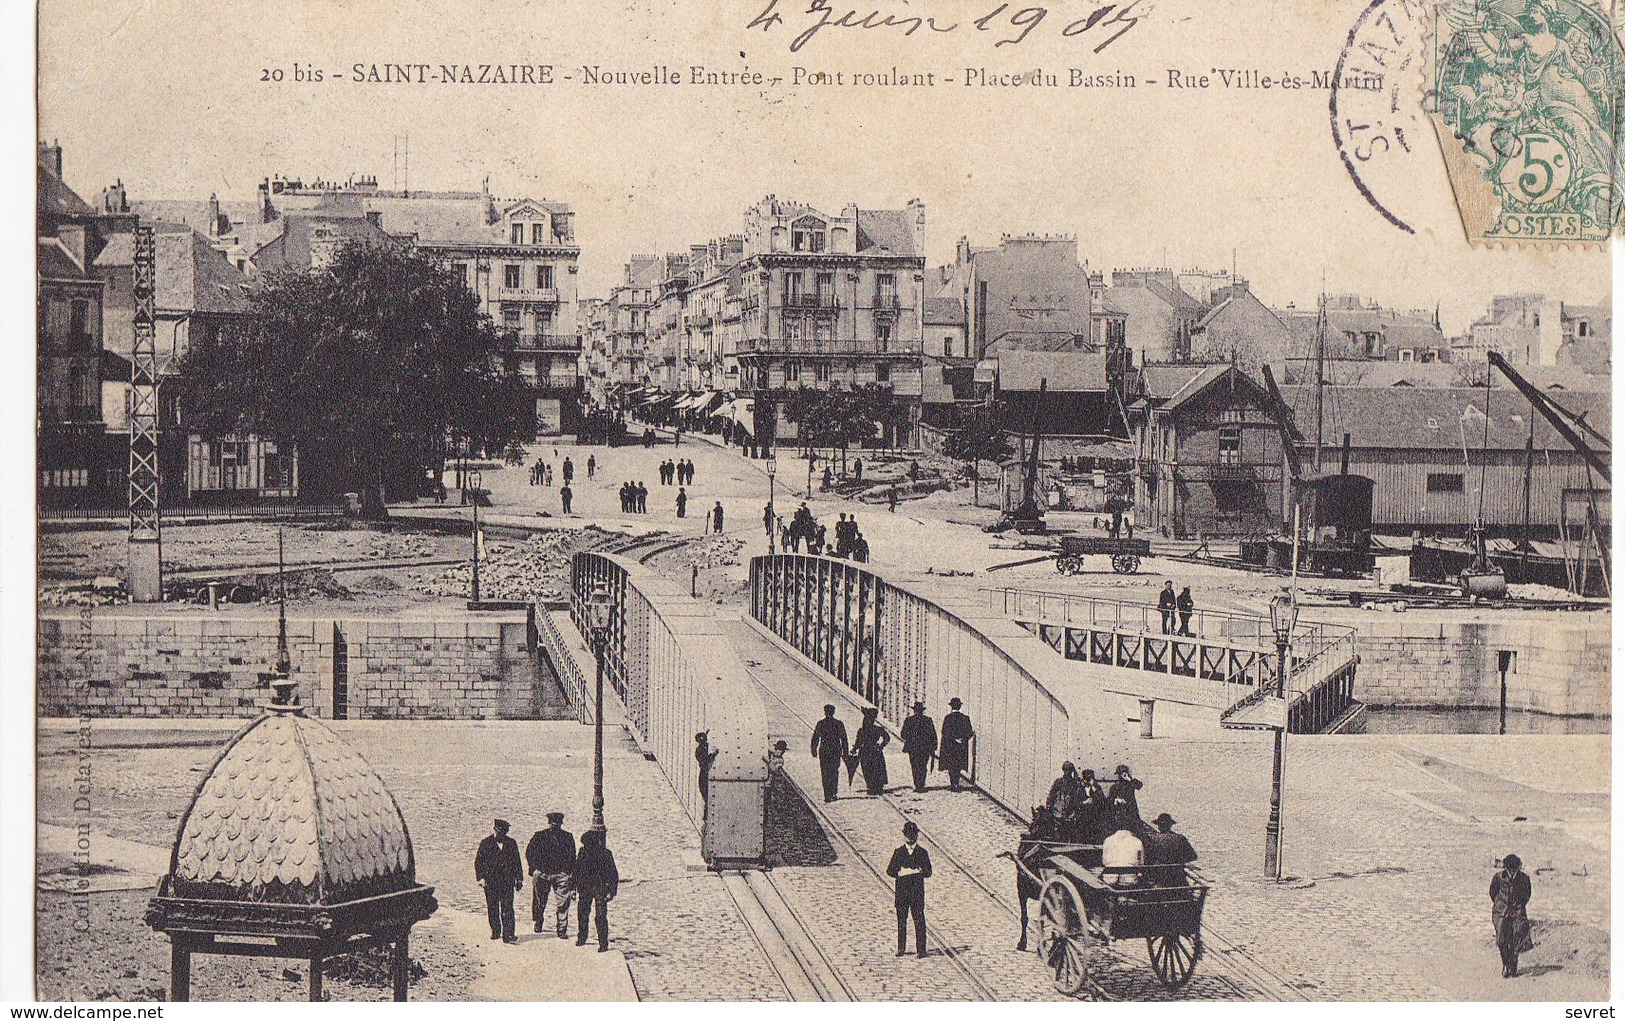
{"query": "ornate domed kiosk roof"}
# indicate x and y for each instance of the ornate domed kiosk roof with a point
(289, 813)
(291, 847)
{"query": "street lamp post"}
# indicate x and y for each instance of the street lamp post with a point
(475, 479)
(598, 608)
(1283, 618)
(772, 471)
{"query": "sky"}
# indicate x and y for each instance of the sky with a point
(177, 101)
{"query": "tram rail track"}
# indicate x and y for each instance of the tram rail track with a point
(1266, 982)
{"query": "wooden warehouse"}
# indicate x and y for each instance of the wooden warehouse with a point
(1209, 459)
(1430, 455)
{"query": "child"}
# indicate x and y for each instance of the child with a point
(775, 763)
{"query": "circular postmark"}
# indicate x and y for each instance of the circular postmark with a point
(1528, 89)
(1378, 121)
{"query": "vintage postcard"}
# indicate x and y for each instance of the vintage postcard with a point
(768, 500)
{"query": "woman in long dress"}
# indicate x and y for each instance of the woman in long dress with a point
(869, 746)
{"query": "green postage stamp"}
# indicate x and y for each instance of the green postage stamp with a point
(1526, 100)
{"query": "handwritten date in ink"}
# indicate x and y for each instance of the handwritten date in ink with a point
(1006, 24)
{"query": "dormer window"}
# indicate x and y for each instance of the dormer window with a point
(807, 236)
(538, 234)
(518, 233)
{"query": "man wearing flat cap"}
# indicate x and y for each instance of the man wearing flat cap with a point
(954, 756)
(551, 856)
(1166, 852)
(919, 743)
(498, 869)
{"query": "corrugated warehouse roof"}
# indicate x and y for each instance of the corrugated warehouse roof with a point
(1417, 418)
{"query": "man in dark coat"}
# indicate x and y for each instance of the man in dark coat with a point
(1166, 853)
(919, 744)
(954, 756)
(682, 502)
(1094, 814)
(716, 517)
(704, 756)
(597, 883)
(569, 471)
(1509, 893)
(1186, 605)
(551, 858)
(829, 746)
(910, 866)
(1065, 795)
(1124, 804)
(1168, 603)
(498, 869)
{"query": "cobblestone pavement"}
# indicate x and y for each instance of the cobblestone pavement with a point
(1392, 840)
(682, 936)
(970, 898)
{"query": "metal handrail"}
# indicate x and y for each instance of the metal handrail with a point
(1119, 615)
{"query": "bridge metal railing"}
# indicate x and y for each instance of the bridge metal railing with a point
(893, 645)
(673, 671)
(1235, 651)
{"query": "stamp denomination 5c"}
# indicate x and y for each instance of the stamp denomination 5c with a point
(1524, 97)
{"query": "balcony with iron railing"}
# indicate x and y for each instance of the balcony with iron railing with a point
(558, 381)
(815, 301)
(546, 342)
(540, 295)
(827, 346)
(887, 304)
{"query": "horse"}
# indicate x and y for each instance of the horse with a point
(1045, 829)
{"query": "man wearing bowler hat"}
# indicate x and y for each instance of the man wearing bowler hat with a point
(910, 866)
(551, 855)
(919, 743)
(1166, 852)
(954, 756)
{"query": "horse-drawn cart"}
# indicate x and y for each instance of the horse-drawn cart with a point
(1125, 554)
(1082, 907)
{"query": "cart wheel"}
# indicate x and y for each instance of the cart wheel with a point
(1063, 936)
(1174, 956)
(1125, 563)
(1071, 565)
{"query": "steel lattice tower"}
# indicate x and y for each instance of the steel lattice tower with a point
(144, 548)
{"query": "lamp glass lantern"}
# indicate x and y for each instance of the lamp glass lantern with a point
(598, 606)
(1283, 617)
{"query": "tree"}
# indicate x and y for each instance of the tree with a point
(366, 365)
(979, 436)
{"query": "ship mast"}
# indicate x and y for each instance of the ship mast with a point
(1320, 379)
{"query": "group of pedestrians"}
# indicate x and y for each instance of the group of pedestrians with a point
(680, 473)
(804, 530)
(557, 869)
(866, 751)
(635, 499)
(1172, 606)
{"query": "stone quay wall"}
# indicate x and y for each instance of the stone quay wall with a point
(1562, 664)
(458, 665)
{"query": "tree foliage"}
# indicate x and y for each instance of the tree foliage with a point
(840, 418)
(366, 364)
(979, 436)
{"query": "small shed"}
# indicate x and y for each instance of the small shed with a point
(291, 847)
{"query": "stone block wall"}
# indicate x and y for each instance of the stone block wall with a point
(1562, 667)
(461, 665)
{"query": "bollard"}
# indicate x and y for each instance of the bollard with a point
(1147, 708)
(694, 582)
(214, 595)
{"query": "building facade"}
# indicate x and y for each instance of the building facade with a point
(832, 301)
(519, 257)
(1210, 458)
